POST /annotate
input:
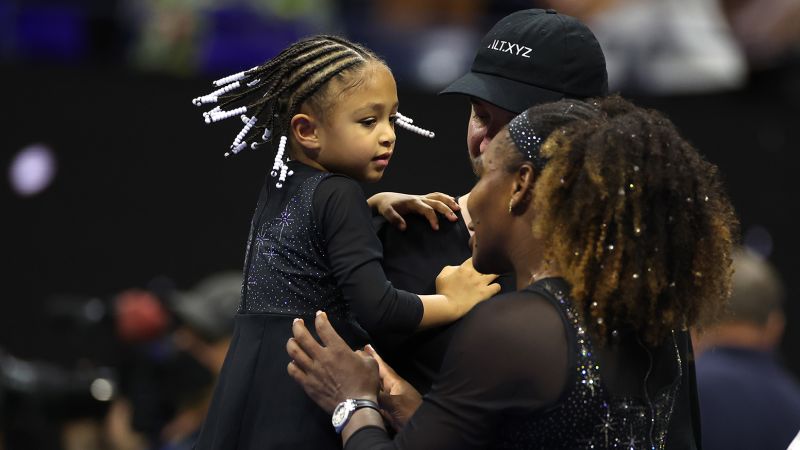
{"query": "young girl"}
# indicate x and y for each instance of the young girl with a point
(333, 105)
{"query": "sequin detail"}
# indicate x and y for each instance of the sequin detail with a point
(587, 416)
(286, 263)
(526, 140)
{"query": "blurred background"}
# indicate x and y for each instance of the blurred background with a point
(117, 202)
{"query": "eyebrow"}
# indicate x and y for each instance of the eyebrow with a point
(374, 107)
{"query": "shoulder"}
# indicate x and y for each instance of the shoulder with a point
(338, 187)
(521, 320)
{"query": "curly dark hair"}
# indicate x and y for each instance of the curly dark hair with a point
(637, 221)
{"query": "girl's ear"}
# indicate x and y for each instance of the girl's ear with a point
(522, 188)
(305, 129)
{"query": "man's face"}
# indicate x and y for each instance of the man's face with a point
(485, 121)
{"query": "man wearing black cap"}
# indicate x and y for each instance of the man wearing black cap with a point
(529, 57)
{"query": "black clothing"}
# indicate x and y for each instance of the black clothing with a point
(311, 247)
(411, 260)
(521, 372)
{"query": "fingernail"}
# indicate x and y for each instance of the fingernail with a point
(318, 313)
(295, 320)
(369, 347)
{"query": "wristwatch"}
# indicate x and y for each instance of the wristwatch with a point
(344, 411)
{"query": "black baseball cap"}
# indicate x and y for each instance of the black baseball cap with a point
(535, 56)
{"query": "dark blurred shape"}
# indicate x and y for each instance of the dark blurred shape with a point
(759, 240)
(52, 32)
(747, 399)
(767, 30)
(37, 396)
(663, 47)
(140, 317)
(209, 307)
(239, 38)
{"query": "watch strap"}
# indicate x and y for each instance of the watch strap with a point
(351, 405)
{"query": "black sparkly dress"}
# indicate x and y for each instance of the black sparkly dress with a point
(311, 247)
(521, 373)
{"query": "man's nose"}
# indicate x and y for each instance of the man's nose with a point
(485, 144)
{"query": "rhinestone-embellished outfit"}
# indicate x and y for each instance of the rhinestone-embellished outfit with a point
(522, 373)
(311, 247)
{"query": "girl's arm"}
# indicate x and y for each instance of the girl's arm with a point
(355, 255)
(459, 289)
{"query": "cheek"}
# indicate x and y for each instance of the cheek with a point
(475, 134)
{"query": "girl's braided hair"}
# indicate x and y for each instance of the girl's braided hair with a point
(272, 93)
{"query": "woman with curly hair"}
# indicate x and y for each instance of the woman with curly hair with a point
(620, 235)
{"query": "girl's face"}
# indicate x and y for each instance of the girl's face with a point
(488, 207)
(357, 136)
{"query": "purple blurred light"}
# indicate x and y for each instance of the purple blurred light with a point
(32, 170)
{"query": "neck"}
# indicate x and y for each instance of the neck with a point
(301, 157)
(526, 253)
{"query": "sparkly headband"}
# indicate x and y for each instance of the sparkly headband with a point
(527, 141)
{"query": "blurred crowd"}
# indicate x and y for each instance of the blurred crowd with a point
(167, 343)
(652, 46)
(169, 346)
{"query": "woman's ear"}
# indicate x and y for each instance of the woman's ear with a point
(305, 130)
(522, 189)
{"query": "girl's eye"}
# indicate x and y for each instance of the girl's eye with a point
(392, 119)
(368, 122)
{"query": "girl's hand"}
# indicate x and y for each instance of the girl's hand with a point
(398, 399)
(464, 287)
(330, 373)
(393, 206)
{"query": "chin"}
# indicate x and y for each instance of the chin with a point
(480, 264)
(489, 264)
(373, 177)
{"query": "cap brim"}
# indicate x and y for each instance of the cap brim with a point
(507, 94)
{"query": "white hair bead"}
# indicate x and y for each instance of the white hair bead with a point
(404, 118)
(278, 164)
(415, 129)
(234, 77)
(222, 115)
(246, 129)
(214, 96)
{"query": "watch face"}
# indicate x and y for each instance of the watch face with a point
(342, 412)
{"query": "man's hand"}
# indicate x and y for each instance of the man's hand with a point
(398, 399)
(330, 373)
(394, 205)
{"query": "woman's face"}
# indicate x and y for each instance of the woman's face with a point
(488, 208)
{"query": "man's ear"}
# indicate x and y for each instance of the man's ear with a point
(522, 188)
(305, 130)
